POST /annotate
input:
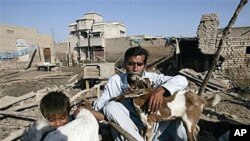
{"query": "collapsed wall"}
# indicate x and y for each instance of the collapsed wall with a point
(235, 55)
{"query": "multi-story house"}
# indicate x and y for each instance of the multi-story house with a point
(88, 34)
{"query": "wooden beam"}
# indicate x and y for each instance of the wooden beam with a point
(19, 115)
(197, 80)
(31, 60)
(121, 131)
(97, 86)
(25, 106)
(8, 101)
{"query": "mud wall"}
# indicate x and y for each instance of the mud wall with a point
(236, 62)
(116, 47)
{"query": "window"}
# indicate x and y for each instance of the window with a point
(84, 34)
(10, 31)
(248, 50)
(96, 34)
(122, 33)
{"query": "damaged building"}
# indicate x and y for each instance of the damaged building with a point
(91, 38)
(197, 53)
(234, 60)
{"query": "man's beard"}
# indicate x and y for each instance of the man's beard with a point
(133, 76)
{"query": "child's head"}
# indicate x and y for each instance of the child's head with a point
(55, 106)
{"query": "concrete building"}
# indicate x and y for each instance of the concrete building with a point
(14, 38)
(88, 35)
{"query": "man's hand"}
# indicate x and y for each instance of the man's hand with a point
(156, 99)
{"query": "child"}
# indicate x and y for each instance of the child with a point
(55, 107)
(58, 124)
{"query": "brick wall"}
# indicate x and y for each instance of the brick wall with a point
(207, 33)
(234, 62)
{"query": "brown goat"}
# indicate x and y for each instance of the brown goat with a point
(184, 104)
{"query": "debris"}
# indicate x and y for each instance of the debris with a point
(8, 101)
(218, 83)
(14, 135)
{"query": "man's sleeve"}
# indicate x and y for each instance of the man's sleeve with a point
(175, 84)
(112, 89)
(172, 84)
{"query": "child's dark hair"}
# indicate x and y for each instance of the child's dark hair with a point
(53, 103)
(134, 51)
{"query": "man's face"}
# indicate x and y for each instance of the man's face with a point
(58, 120)
(135, 66)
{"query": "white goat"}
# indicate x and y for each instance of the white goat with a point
(84, 128)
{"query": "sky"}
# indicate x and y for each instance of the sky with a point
(151, 17)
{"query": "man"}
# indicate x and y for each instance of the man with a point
(124, 114)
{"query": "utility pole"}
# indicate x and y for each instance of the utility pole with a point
(53, 54)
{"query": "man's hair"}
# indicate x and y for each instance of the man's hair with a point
(135, 51)
(54, 103)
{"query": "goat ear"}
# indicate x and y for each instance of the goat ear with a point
(148, 82)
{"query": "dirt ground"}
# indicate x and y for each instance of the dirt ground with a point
(233, 109)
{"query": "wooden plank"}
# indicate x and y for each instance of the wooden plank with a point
(18, 115)
(194, 77)
(122, 131)
(73, 98)
(31, 60)
(47, 76)
(25, 106)
(22, 107)
(73, 78)
(217, 82)
(97, 86)
(8, 101)
(13, 81)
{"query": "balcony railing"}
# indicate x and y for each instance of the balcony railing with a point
(81, 27)
(94, 41)
(72, 28)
